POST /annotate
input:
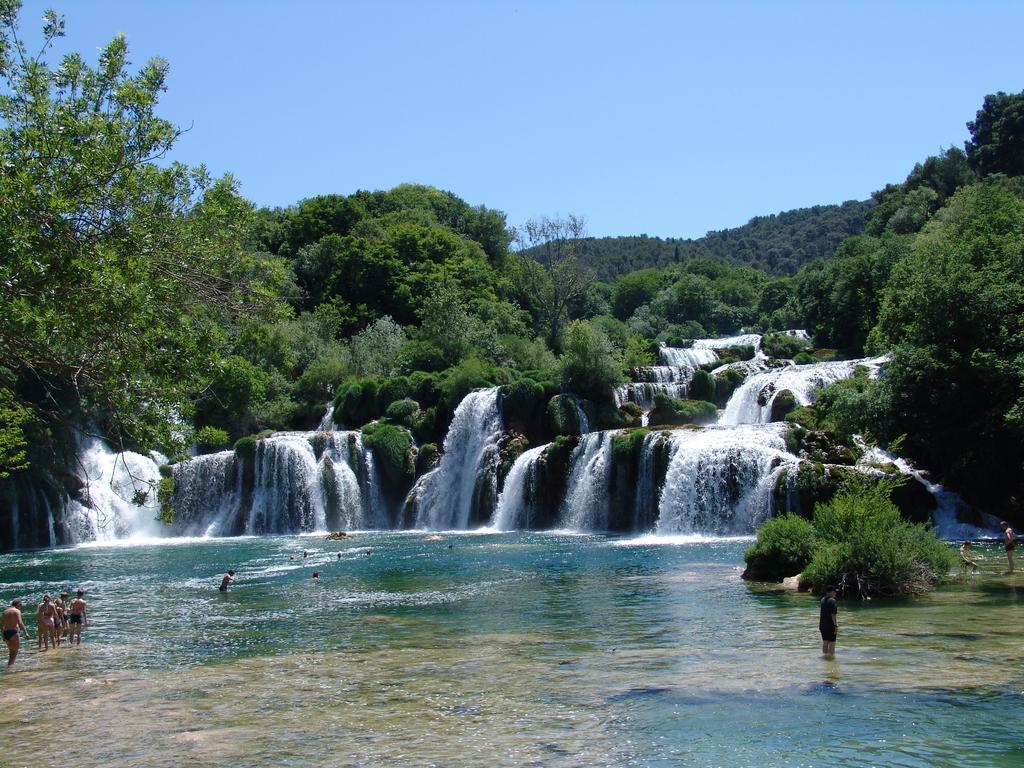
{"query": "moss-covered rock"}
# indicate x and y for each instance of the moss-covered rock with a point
(626, 445)
(563, 415)
(784, 403)
(702, 386)
(245, 448)
(404, 413)
(670, 410)
(510, 448)
(609, 417)
(426, 458)
(392, 447)
(726, 383)
(522, 404)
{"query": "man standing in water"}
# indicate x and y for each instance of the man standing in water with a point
(1011, 542)
(12, 624)
(827, 621)
(77, 618)
(227, 581)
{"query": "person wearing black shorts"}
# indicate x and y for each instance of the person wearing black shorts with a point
(1010, 542)
(827, 621)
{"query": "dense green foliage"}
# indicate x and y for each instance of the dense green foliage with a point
(785, 546)
(866, 547)
(670, 410)
(778, 244)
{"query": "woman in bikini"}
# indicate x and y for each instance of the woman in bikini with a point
(46, 619)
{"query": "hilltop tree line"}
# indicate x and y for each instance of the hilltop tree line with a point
(155, 305)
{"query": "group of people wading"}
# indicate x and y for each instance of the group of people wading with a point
(56, 621)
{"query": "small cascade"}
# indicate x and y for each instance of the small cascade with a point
(296, 481)
(688, 358)
(327, 422)
(647, 491)
(464, 483)
(950, 510)
(581, 417)
(752, 402)
(516, 503)
(207, 494)
(119, 497)
(720, 480)
(742, 340)
(586, 503)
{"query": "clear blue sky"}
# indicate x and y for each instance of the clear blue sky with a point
(662, 118)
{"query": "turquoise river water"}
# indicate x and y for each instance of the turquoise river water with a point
(522, 649)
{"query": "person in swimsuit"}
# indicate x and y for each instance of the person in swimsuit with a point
(12, 623)
(46, 621)
(227, 581)
(77, 618)
(62, 611)
(1010, 542)
(965, 557)
(828, 624)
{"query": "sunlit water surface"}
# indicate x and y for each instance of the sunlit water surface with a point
(507, 649)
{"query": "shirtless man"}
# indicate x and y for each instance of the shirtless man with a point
(1010, 543)
(12, 624)
(46, 623)
(76, 618)
(965, 557)
(227, 581)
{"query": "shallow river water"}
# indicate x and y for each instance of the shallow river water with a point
(507, 649)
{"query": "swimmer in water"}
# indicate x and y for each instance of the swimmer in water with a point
(315, 576)
(227, 581)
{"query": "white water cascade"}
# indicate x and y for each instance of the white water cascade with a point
(720, 479)
(465, 478)
(752, 402)
(119, 496)
(516, 503)
(300, 481)
(586, 503)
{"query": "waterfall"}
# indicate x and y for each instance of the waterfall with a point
(586, 503)
(642, 393)
(581, 417)
(327, 422)
(743, 340)
(300, 481)
(516, 503)
(752, 402)
(720, 480)
(119, 497)
(207, 493)
(465, 480)
(689, 358)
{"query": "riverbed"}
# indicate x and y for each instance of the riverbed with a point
(488, 649)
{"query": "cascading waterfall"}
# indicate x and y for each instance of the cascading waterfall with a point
(688, 358)
(720, 480)
(752, 402)
(300, 481)
(516, 503)
(742, 340)
(119, 496)
(586, 503)
(465, 480)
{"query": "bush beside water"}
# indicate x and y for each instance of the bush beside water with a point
(859, 542)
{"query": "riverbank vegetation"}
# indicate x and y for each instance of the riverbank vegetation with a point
(148, 302)
(858, 542)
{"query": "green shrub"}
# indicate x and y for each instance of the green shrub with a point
(357, 403)
(868, 549)
(422, 388)
(702, 386)
(804, 358)
(784, 547)
(739, 352)
(391, 446)
(425, 426)
(804, 416)
(403, 412)
(521, 400)
(459, 380)
(164, 493)
(392, 389)
(607, 416)
(783, 345)
(590, 364)
(245, 448)
(211, 439)
(670, 410)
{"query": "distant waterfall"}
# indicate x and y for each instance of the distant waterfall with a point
(300, 481)
(586, 503)
(743, 340)
(516, 502)
(465, 480)
(720, 480)
(752, 402)
(119, 496)
(688, 358)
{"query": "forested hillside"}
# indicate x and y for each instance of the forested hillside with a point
(778, 244)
